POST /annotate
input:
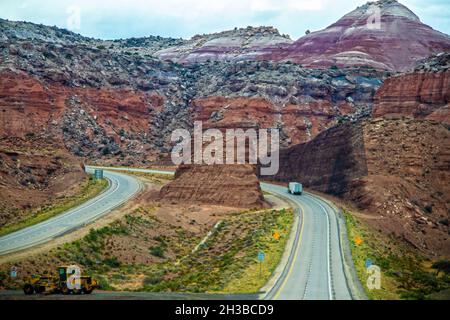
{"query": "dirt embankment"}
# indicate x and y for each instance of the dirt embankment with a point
(394, 170)
(32, 174)
(232, 185)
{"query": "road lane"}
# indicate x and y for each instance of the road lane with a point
(339, 283)
(121, 188)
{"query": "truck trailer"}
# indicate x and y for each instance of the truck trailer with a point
(295, 188)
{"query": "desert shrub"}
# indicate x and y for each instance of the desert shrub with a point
(112, 262)
(442, 266)
(157, 251)
(152, 280)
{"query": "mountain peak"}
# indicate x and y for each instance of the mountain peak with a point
(236, 44)
(386, 7)
(383, 35)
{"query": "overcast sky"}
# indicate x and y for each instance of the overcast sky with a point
(111, 19)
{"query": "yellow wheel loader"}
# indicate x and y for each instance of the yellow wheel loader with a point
(68, 281)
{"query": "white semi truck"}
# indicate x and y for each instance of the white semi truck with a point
(295, 188)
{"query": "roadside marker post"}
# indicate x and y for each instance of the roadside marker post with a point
(368, 263)
(13, 272)
(261, 257)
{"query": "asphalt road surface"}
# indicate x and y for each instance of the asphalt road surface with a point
(121, 188)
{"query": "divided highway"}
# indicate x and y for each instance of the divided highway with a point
(121, 188)
(314, 270)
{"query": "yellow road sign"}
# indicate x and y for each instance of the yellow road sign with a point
(358, 240)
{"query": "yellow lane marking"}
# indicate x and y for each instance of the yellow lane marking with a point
(291, 268)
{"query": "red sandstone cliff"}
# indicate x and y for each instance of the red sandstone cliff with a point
(229, 185)
(78, 118)
(396, 171)
(423, 93)
(300, 122)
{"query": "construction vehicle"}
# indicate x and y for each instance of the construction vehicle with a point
(295, 188)
(68, 281)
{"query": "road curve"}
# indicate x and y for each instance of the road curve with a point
(121, 188)
(315, 269)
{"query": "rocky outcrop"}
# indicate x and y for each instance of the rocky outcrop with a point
(298, 122)
(300, 102)
(232, 45)
(396, 171)
(396, 43)
(423, 93)
(229, 185)
(330, 163)
(115, 99)
(89, 122)
(133, 103)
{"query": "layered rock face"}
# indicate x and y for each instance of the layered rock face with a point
(229, 185)
(89, 122)
(423, 93)
(298, 123)
(300, 102)
(233, 45)
(397, 171)
(396, 43)
(120, 101)
(122, 107)
(330, 163)
(384, 35)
